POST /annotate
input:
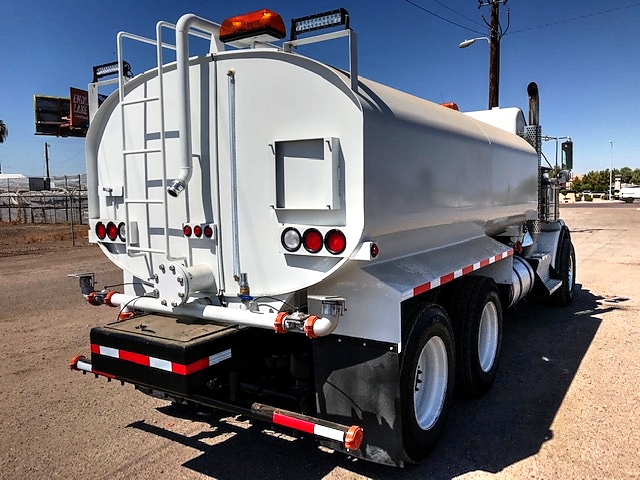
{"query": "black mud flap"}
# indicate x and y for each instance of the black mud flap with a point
(357, 382)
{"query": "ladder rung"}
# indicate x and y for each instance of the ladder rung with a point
(140, 100)
(142, 150)
(144, 249)
(144, 201)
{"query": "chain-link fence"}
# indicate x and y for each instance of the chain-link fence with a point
(64, 203)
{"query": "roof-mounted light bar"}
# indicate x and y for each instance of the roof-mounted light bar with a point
(111, 68)
(318, 21)
(262, 25)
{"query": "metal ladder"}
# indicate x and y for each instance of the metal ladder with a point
(127, 153)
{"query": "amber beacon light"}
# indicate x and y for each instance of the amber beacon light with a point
(264, 25)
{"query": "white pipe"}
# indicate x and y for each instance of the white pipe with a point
(321, 327)
(184, 99)
(325, 325)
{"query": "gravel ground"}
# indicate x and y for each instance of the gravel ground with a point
(564, 404)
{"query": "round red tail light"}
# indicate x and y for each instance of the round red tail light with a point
(197, 231)
(112, 231)
(208, 231)
(312, 240)
(101, 230)
(186, 230)
(335, 241)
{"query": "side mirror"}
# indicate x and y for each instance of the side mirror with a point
(567, 155)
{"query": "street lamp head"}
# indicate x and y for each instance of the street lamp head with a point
(471, 41)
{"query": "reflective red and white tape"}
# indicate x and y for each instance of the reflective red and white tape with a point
(159, 363)
(425, 287)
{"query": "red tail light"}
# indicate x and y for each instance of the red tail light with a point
(208, 231)
(101, 230)
(112, 231)
(197, 231)
(335, 241)
(312, 240)
(186, 230)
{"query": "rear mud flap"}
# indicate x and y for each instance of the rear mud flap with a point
(357, 382)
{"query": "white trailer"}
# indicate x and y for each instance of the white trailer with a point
(308, 247)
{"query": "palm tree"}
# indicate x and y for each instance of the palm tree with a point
(4, 131)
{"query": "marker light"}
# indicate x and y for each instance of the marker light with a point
(208, 231)
(101, 230)
(122, 232)
(451, 105)
(374, 250)
(319, 21)
(335, 241)
(112, 231)
(197, 231)
(264, 24)
(312, 240)
(290, 239)
(186, 230)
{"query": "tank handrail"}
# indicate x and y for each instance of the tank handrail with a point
(353, 50)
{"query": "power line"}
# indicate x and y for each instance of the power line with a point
(581, 17)
(457, 13)
(442, 18)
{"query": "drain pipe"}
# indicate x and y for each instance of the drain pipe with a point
(184, 99)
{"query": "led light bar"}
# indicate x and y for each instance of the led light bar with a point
(318, 21)
(111, 68)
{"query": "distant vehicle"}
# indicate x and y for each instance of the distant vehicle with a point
(629, 194)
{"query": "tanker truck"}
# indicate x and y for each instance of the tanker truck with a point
(306, 247)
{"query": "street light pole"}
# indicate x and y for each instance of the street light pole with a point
(496, 32)
(610, 169)
(494, 55)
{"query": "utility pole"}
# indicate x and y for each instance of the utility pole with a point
(46, 157)
(495, 34)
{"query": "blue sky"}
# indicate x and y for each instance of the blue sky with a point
(587, 69)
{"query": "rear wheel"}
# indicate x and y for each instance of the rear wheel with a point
(630, 200)
(476, 315)
(566, 267)
(427, 377)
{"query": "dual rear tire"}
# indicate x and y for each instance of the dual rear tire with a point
(438, 355)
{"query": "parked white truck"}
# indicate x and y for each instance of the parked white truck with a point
(629, 194)
(307, 247)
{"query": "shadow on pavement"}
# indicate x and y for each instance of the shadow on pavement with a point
(542, 350)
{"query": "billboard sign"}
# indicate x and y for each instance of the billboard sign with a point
(62, 117)
(78, 108)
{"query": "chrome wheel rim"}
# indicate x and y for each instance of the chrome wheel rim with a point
(488, 336)
(430, 383)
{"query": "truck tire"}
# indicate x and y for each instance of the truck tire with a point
(427, 376)
(629, 200)
(566, 267)
(476, 315)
